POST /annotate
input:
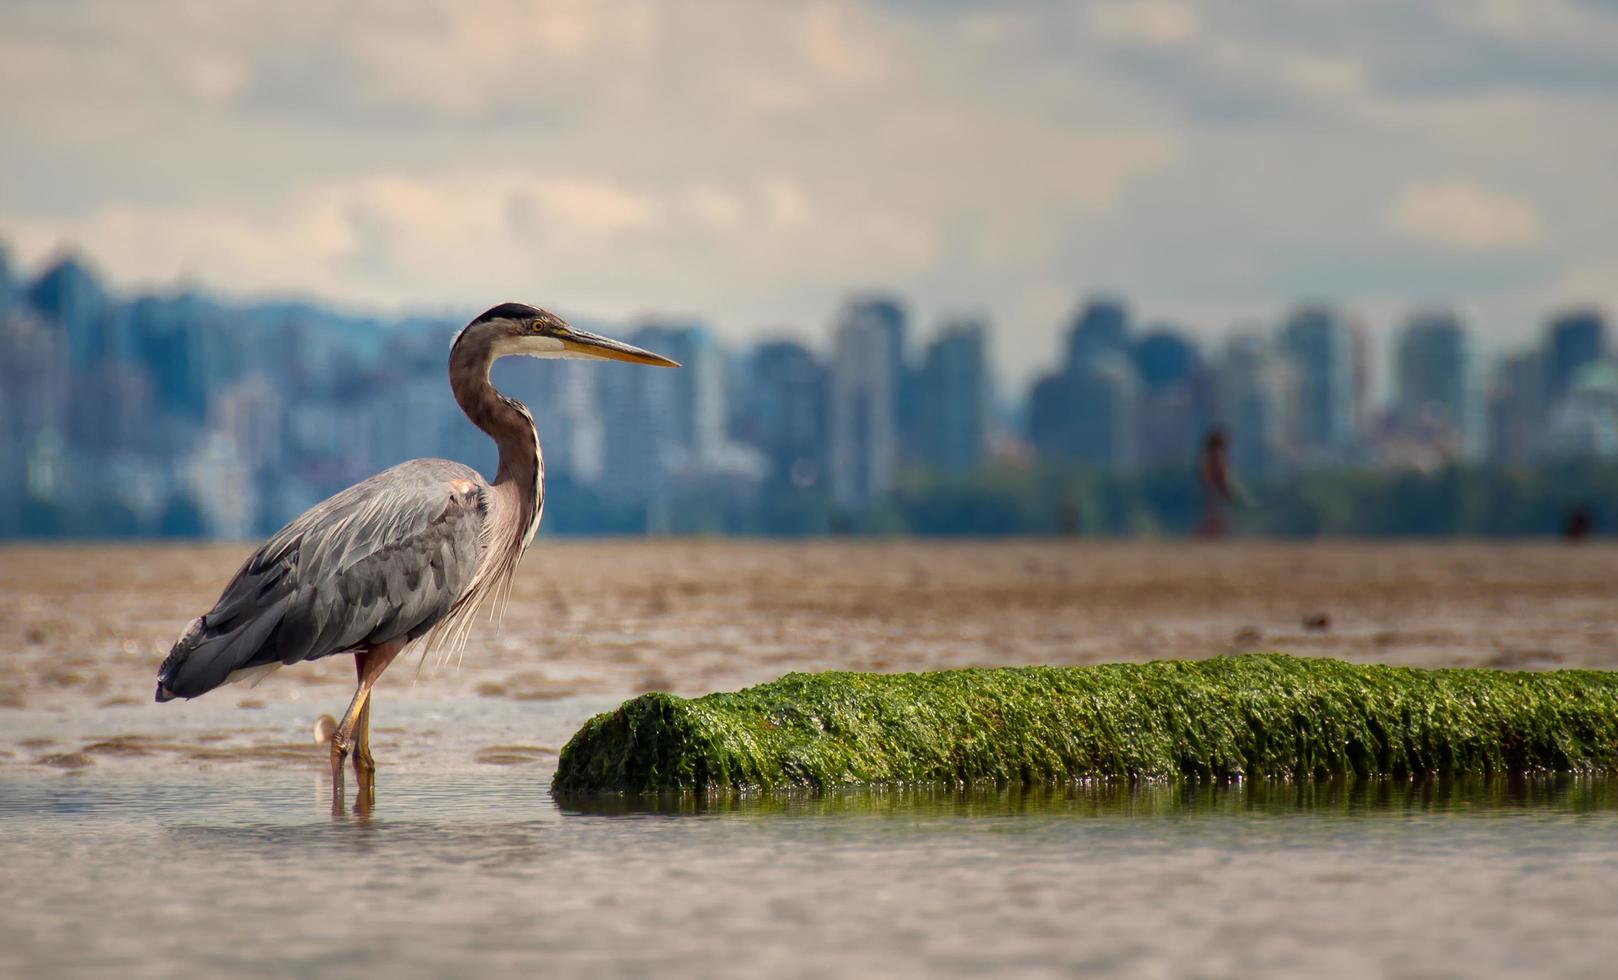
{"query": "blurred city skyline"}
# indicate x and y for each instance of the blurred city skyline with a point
(749, 165)
(182, 414)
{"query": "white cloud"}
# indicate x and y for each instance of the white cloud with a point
(1157, 23)
(843, 43)
(590, 244)
(1593, 280)
(1466, 216)
(750, 162)
(376, 238)
(1557, 21)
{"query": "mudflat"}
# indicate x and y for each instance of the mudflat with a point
(83, 628)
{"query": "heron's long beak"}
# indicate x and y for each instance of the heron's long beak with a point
(582, 343)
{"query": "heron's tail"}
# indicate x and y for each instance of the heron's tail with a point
(206, 654)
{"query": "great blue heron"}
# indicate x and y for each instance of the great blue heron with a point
(415, 551)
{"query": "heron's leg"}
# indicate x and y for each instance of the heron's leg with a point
(362, 740)
(363, 762)
(369, 664)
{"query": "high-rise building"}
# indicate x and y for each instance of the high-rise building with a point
(1573, 339)
(1584, 424)
(1436, 398)
(70, 296)
(8, 281)
(1321, 346)
(887, 316)
(952, 399)
(1175, 407)
(696, 390)
(1256, 392)
(34, 402)
(1107, 401)
(1090, 417)
(1090, 412)
(1050, 415)
(1100, 330)
(171, 337)
(1165, 358)
(864, 407)
(1517, 409)
(787, 416)
(664, 433)
(653, 421)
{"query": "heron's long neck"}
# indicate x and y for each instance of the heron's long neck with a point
(519, 480)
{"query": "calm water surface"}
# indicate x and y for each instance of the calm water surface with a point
(198, 839)
(456, 871)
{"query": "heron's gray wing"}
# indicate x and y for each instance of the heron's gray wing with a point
(383, 560)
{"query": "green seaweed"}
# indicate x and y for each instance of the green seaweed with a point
(1260, 715)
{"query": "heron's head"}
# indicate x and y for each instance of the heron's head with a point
(517, 328)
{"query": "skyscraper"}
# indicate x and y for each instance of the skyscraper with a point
(1517, 409)
(1100, 330)
(69, 295)
(1089, 413)
(696, 390)
(664, 432)
(1165, 358)
(1573, 339)
(171, 339)
(1090, 417)
(864, 403)
(1320, 344)
(952, 399)
(8, 281)
(1436, 396)
(1175, 410)
(1256, 393)
(1584, 424)
(787, 413)
(887, 316)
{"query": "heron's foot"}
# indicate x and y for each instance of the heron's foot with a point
(365, 799)
(339, 755)
(337, 792)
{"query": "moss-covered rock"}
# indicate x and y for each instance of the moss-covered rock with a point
(1260, 715)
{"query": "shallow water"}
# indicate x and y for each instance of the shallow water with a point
(250, 872)
(199, 838)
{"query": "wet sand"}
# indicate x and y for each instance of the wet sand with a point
(83, 628)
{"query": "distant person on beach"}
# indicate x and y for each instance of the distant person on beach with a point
(1578, 522)
(1068, 519)
(1218, 492)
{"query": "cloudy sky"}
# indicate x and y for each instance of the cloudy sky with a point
(750, 163)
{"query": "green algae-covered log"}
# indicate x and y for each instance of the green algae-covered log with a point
(1259, 715)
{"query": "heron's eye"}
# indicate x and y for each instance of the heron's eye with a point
(537, 326)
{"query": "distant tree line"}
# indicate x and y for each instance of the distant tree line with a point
(1473, 501)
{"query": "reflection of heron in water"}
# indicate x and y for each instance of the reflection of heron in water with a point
(415, 551)
(1218, 490)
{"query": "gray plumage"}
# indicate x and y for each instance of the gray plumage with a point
(385, 559)
(415, 551)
